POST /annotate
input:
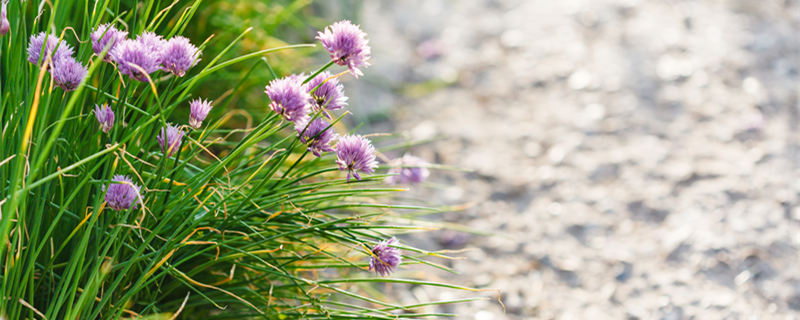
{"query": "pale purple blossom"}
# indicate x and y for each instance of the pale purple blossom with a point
(328, 95)
(355, 153)
(50, 44)
(408, 170)
(105, 116)
(178, 55)
(68, 73)
(170, 139)
(153, 42)
(347, 44)
(289, 98)
(131, 55)
(122, 193)
(317, 135)
(198, 111)
(385, 257)
(4, 25)
(107, 35)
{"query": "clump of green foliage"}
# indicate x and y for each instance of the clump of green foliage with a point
(240, 223)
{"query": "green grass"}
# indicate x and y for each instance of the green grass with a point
(242, 223)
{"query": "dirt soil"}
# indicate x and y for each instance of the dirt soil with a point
(633, 159)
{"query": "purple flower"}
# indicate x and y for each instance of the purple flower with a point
(152, 42)
(409, 170)
(384, 257)
(170, 139)
(178, 55)
(198, 111)
(317, 138)
(107, 35)
(123, 194)
(289, 98)
(329, 95)
(105, 116)
(355, 153)
(68, 73)
(4, 25)
(347, 45)
(50, 43)
(131, 55)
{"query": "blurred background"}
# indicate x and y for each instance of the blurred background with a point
(629, 159)
(632, 159)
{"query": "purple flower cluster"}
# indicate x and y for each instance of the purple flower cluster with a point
(106, 35)
(66, 71)
(4, 25)
(153, 42)
(122, 193)
(408, 170)
(198, 111)
(47, 44)
(385, 257)
(295, 100)
(136, 59)
(105, 116)
(326, 92)
(178, 55)
(148, 53)
(347, 44)
(289, 98)
(355, 153)
(170, 139)
(317, 135)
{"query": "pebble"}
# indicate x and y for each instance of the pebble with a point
(655, 144)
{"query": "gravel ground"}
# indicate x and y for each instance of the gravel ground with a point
(634, 159)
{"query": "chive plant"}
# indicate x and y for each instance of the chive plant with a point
(127, 195)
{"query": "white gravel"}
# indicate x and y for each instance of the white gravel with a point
(634, 159)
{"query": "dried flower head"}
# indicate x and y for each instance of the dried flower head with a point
(131, 55)
(384, 257)
(4, 25)
(289, 98)
(347, 44)
(107, 35)
(50, 44)
(68, 73)
(170, 139)
(122, 193)
(105, 116)
(198, 111)
(318, 136)
(408, 170)
(178, 55)
(326, 94)
(355, 153)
